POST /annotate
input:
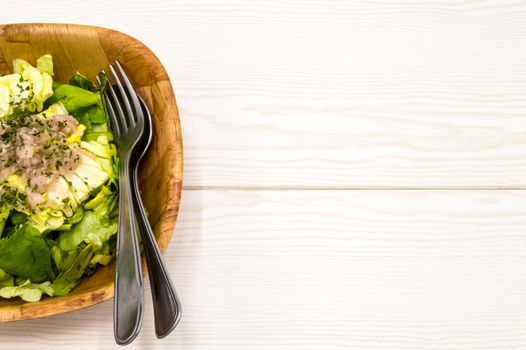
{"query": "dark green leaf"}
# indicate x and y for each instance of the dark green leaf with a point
(82, 82)
(26, 255)
(68, 279)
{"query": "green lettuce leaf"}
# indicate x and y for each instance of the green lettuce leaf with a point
(45, 64)
(27, 88)
(92, 229)
(26, 254)
(86, 106)
(82, 82)
(105, 254)
(27, 291)
(6, 280)
(4, 214)
(69, 278)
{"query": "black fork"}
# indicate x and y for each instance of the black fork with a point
(127, 124)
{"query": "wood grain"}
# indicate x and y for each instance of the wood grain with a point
(330, 270)
(90, 49)
(336, 94)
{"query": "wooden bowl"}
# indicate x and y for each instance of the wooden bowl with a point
(88, 50)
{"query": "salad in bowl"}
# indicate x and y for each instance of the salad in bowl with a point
(58, 181)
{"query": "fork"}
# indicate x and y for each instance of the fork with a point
(128, 304)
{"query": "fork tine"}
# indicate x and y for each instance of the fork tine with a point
(113, 118)
(132, 94)
(111, 113)
(129, 116)
(120, 116)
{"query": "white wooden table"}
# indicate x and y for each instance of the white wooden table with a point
(355, 173)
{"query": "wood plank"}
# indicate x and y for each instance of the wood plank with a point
(331, 270)
(336, 94)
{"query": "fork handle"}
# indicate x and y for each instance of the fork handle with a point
(129, 291)
(166, 304)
